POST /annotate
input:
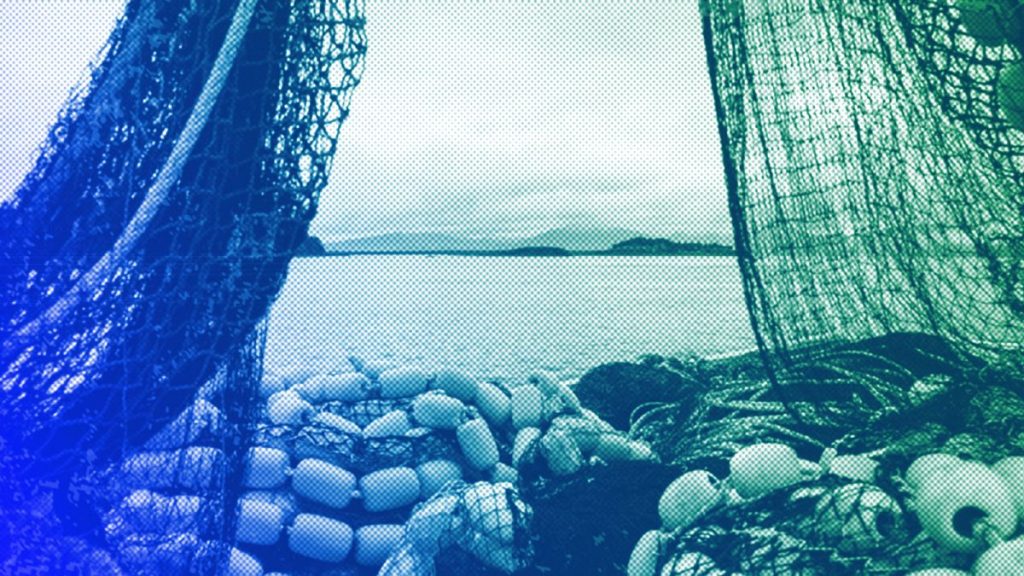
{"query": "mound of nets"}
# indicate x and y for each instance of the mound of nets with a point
(856, 515)
(874, 168)
(874, 159)
(139, 258)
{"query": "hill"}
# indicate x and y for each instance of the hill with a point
(418, 242)
(311, 246)
(535, 251)
(580, 239)
(642, 245)
(576, 239)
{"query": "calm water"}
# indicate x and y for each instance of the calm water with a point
(502, 317)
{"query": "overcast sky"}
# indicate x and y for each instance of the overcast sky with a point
(475, 116)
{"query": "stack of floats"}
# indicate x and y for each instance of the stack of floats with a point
(970, 516)
(341, 459)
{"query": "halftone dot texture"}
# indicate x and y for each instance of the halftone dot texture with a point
(489, 521)
(873, 157)
(870, 153)
(874, 169)
(138, 260)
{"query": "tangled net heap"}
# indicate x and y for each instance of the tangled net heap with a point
(874, 155)
(140, 256)
(873, 180)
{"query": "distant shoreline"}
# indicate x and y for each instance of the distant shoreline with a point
(516, 253)
(637, 246)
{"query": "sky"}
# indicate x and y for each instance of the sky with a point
(476, 117)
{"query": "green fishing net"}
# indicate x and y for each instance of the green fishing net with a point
(874, 170)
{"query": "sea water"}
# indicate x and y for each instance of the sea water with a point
(502, 317)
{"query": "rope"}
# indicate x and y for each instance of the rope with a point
(161, 188)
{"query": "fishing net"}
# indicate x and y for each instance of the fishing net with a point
(360, 454)
(874, 159)
(844, 519)
(874, 168)
(138, 260)
(467, 528)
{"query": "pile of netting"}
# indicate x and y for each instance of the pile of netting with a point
(874, 159)
(767, 491)
(140, 256)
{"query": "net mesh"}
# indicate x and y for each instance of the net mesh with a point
(138, 260)
(873, 158)
(847, 518)
(874, 169)
(488, 522)
(355, 451)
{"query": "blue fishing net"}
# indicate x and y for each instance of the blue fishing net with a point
(139, 257)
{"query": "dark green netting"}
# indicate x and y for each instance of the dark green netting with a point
(874, 156)
(139, 257)
(874, 179)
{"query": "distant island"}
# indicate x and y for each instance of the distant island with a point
(636, 246)
(311, 246)
(640, 246)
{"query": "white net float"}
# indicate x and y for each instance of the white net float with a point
(924, 466)
(288, 408)
(323, 482)
(457, 384)
(242, 564)
(758, 469)
(389, 489)
(435, 474)
(320, 538)
(504, 473)
(266, 467)
(259, 523)
(524, 446)
(478, 444)
(643, 561)
(950, 502)
(1011, 470)
(283, 499)
(494, 404)
(402, 382)
(1004, 559)
(613, 447)
(347, 387)
(438, 411)
(375, 542)
(394, 423)
(688, 498)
